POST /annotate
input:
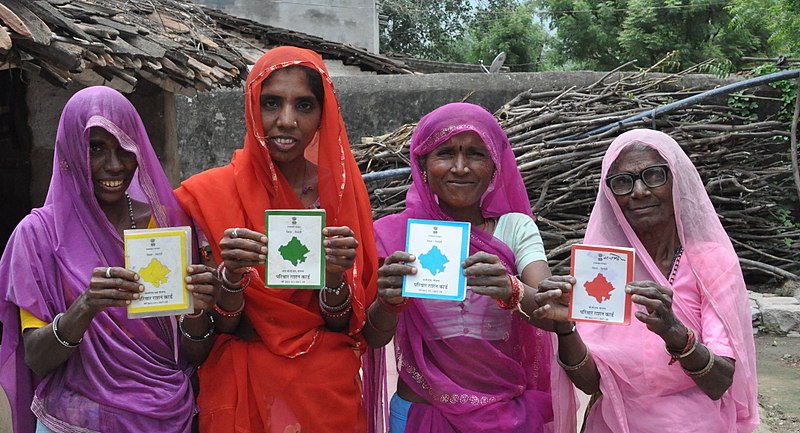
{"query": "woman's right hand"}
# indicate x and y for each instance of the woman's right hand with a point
(390, 276)
(241, 249)
(552, 297)
(111, 287)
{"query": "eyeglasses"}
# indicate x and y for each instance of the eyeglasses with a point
(652, 177)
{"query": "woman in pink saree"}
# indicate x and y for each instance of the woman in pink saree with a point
(480, 364)
(686, 363)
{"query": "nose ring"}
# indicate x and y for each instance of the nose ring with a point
(295, 124)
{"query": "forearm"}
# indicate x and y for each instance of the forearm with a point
(381, 325)
(336, 304)
(197, 336)
(576, 359)
(44, 352)
(713, 374)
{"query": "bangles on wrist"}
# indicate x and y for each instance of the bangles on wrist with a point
(577, 366)
(688, 349)
(335, 311)
(229, 314)
(63, 342)
(191, 337)
(393, 308)
(230, 287)
(517, 293)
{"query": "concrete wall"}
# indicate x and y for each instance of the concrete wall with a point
(212, 123)
(352, 22)
(45, 103)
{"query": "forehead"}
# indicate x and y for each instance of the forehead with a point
(635, 159)
(465, 139)
(97, 133)
(292, 81)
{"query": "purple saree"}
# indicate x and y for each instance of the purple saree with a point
(126, 375)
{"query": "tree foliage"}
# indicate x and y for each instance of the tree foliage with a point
(780, 18)
(508, 26)
(605, 33)
(430, 29)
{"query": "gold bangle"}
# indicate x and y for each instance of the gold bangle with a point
(703, 371)
(576, 366)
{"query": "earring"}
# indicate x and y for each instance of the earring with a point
(425, 176)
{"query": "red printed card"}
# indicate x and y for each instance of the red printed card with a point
(599, 294)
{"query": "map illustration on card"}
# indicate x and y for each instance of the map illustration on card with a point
(599, 293)
(296, 255)
(160, 257)
(440, 248)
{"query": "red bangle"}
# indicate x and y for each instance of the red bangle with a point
(229, 314)
(516, 294)
(691, 345)
(393, 308)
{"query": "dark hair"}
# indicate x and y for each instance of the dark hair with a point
(314, 82)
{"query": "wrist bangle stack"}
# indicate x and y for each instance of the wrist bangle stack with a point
(577, 366)
(338, 311)
(517, 292)
(705, 370)
(336, 290)
(691, 345)
(230, 287)
(229, 314)
(189, 336)
(63, 342)
(393, 308)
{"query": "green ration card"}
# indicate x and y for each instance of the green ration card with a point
(296, 257)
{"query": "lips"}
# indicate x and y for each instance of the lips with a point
(283, 143)
(111, 184)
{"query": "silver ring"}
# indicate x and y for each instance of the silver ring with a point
(108, 272)
(234, 233)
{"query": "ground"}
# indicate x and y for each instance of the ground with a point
(779, 382)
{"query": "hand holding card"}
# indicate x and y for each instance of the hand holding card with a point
(601, 274)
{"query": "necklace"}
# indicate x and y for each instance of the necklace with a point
(130, 210)
(306, 188)
(676, 261)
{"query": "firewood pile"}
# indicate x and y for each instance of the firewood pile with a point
(744, 162)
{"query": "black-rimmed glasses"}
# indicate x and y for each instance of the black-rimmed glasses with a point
(653, 177)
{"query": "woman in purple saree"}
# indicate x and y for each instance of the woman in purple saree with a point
(480, 364)
(80, 364)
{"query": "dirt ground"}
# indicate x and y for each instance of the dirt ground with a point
(779, 382)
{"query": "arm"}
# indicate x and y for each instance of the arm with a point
(573, 354)
(46, 350)
(241, 249)
(336, 297)
(203, 284)
(383, 314)
(712, 374)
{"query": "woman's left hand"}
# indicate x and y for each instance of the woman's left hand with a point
(487, 276)
(340, 252)
(202, 282)
(657, 301)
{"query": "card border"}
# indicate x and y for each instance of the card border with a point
(630, 253)
(466, 228)
(300, 212)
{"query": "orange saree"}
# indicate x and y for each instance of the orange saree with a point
(297, 375)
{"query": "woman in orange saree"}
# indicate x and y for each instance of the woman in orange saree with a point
(291, 359)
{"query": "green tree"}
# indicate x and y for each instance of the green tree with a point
(508, 26)
(604, 34)
(780, 18)
(430, 29)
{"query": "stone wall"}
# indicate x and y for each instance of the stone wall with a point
(211, 125)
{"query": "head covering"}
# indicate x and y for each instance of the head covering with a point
(123, 371)
(473, 383)
(296, 345)
(715, 266)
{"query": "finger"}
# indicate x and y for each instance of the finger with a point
(104, 296)
(244, 233)
(490, 280)
(479, 269)
(388, 270)
(495, 292)
(648, 319)
(480, 257)
(115, 272)
(341, 243)
(551, 284)
(395, 294)
(342, 231)
(348, 253)
(241, 258)
(399, 257)
(650, 304)
(542, 298)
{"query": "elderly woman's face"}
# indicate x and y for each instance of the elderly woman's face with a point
(648, 206)
(459, 171)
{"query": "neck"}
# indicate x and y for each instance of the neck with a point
(661, 246)
(117, 213)
(472, 215)
(294, 171)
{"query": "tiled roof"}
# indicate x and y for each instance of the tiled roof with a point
(180, 46)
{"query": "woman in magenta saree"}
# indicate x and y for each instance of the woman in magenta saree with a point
(480, 364)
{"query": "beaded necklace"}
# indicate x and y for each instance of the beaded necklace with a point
(130, 210)
(676, 261)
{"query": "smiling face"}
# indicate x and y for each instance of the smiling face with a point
(459, 173)
(290, 113)
(646, 209)
(112, 166)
